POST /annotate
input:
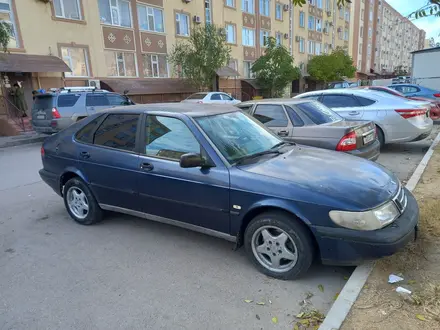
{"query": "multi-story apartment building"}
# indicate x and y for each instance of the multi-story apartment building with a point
(398, 37)
(124, 43)
(318, 27)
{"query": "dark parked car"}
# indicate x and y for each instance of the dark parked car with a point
(215, 169)
(311, 123)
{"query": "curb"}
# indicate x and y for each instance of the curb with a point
(36, 139)
(350, 292)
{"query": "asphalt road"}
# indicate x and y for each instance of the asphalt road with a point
(129, 273)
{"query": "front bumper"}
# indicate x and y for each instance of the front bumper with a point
(370, 152)
(341, 246)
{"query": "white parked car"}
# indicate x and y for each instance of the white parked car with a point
(397, 119)
(211, 98)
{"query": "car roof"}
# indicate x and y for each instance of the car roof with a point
(357, 91)
(275, 101)
(189, 109)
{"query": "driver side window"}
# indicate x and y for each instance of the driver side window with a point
(169, 138)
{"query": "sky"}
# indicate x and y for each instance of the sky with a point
(430, 24)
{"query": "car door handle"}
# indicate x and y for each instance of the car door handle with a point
(84, 155)
(353, 113)
(283, 133)
(147, 167)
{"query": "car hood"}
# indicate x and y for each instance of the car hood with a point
(356, 182)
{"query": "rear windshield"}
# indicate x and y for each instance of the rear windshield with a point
(318, 112)
(43, 102)
(68, 100)
(197, 96)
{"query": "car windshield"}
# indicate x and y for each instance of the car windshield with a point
(237, 136)
(197, 96)
(318, 113)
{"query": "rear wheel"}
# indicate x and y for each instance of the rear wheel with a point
(279, 245)
(380, 137)
(80, 202)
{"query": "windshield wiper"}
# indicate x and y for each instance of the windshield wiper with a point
(258, 154)
(282, 143)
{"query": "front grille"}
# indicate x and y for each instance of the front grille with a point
(400, 200)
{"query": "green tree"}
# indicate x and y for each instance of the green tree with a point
(329, 67)
(274, 70)
(5, 35)
(198, 58)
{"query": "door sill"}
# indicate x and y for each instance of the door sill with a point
(172, 222)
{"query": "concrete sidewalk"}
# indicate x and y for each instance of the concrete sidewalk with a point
(25, 138)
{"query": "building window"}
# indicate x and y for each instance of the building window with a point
(371, 16)
(231, 34)
(115, 12)
(318, 25)
(279, 38)
(120, 64)
(230, 3)
(301, 45)
(340, 33)
(7, 17)
(317, 49)
(311, 47)
(77, 60)
(360, 48)
(233, 64)
(301, 19)
(247, 68)
(155, 65)
(362, 14)
(248, 6)
(347, 15)
(362, 32)
(346, 34)
(369, 50)
(341, 12)
(279, 11)
(359, 65)
(182, 24)
(312, 2)
(311, 23)
(264, 37)
(370, 32)
(319, 3)
(248, 37)
(66, 9)
(208, 19)
(150, 18)
(325, 48)
(328, 6)
(265, 7)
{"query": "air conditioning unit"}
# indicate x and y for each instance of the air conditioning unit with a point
(197, 19)
(286, 7)
(297, 38)
(286, 36)
(94, 83)
(186, 1)
(329, 13)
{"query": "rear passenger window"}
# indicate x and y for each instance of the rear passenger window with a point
(294, 117)
(339, 101)
(68, 100)
(96, 100)
(85, 134)
(216, 97)
(364, 101)
(271, 115)
(118, 131)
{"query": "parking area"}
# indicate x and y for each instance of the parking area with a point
(129, 273)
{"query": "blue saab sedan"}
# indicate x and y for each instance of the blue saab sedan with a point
(216, 170)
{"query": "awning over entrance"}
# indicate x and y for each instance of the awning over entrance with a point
(148, 86)
(32, 63)
(226, 71)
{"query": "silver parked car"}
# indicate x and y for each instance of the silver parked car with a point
(54, 111)
(397, 119)
(211, 98)
(311, 123)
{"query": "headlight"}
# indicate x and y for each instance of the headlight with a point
(368, 220)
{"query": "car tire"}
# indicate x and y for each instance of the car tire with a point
(80, 202)
(380, 137)
(261, 247)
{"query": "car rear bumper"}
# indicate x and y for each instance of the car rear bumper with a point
(51, 126)
(51, 179)
(340, 246)
(371, 152)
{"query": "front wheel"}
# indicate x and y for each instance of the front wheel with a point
(80, 202)
(279, 245)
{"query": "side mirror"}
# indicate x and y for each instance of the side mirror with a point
(191, 160)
